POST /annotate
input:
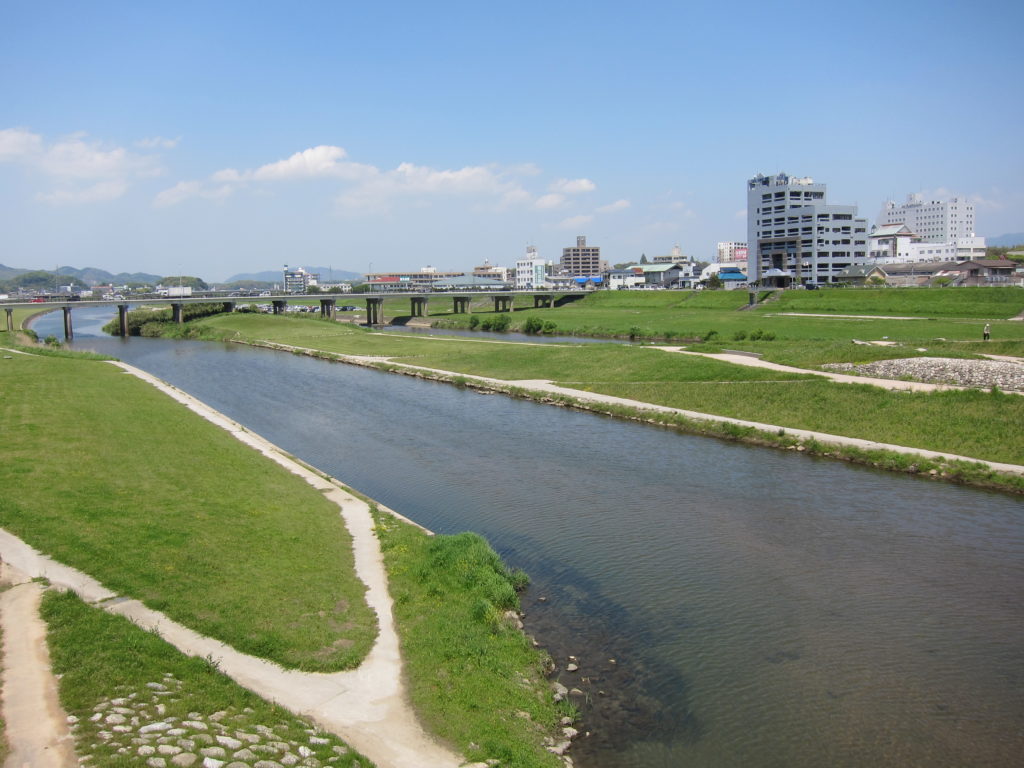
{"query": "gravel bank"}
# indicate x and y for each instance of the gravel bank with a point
(1006, 375)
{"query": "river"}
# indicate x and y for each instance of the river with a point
(762, 607)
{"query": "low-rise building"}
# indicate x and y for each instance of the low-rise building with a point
(298, 280)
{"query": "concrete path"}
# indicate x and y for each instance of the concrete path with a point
(844, 378)
(37, 728)
(367, 707)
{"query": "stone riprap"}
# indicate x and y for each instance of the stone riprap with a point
(137, 728)
(1004, 374)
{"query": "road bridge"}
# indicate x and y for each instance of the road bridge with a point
(418, 304)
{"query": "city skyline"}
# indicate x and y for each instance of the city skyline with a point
(218, 140)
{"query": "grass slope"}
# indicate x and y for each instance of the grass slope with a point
(110, 476)
(99, 657)
(474, 678)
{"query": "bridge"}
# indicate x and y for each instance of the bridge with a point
(418, 302)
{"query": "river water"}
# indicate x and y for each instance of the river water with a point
(762, 608)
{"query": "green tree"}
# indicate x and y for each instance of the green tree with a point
(714, 282)
(185, 280)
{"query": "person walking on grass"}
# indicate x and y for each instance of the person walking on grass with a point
(987, 332)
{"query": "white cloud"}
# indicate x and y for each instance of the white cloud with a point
(19, 144)
(552, 200)
(618, 205)
(574, 222)
(158, 142)
(184, 190)
(95, 193)
(84, 171)
(572, 186)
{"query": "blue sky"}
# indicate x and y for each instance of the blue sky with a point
(216, 138)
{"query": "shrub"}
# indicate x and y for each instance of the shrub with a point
(739, 336)
(550, 326)
(533, 325)
(709, 335)
(474, 321)
(501, 322)
(756, 335)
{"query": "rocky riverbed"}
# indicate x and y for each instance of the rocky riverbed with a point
(1007, 375)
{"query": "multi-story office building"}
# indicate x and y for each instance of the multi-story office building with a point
(732, 251)
(795, 237)
(583, 260)
(948, 222)
(298, 280)
(531, 272)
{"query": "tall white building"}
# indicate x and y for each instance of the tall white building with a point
(732, 251)
(531, 272)
(948, 222)
(795, 237)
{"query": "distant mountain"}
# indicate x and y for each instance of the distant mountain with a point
(276, 276)
(94, 276)
(1015, 238)
(6, 273)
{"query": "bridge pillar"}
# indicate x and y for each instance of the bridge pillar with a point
(122, 320)
(327, 308)
(418, 305)
(10, 319)
(545, 300)
(460, 305)
(69, 332)
(279, 306)
(176, 313)
(502, 303)
(229, 306)
(374, 311)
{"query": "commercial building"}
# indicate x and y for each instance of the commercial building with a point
(731, 252)
(946, 222)
(298, 280)
(795, 237)
(422, 280)
(532, 271)
(583, 260)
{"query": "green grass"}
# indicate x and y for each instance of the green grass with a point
(99, 657)
(978, 424)
(994, 303)
(967, 423)
(112, 477)
(472, 676)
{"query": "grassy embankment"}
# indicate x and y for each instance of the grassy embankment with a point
(473, 677)
(108, 475)
(100, 658)
(208, 531)
(978, 424)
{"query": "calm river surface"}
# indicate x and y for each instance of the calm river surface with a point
(763, 608)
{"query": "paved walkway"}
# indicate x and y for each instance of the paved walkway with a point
(844, 378)
(37, 728)
(367, 707)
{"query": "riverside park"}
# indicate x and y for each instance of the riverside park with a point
(254, 576)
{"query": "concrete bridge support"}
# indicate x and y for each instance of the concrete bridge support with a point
(543, 300)
(122, 320)
(418, 306)
(69, 332)
(10, 319)
(503, 303)
(229, 306)
(327, 308)
(177, 313)
(280, 305)
(374, 311)
(460, 305)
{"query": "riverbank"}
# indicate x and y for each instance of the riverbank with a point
(353, 699)
(930, 464)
